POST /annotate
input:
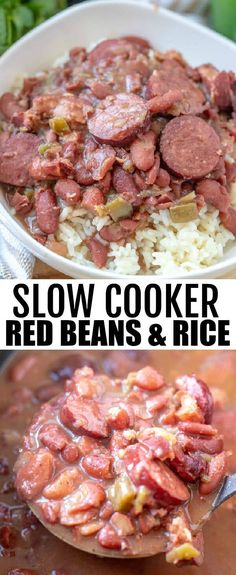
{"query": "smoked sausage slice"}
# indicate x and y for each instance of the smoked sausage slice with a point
(190, 147)
(118, 119)
(167, 487)
(171, 77)
(84, 416)
(16, 154)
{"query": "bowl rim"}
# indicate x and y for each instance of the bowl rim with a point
(61, 263)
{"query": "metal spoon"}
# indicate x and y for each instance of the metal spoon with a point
(155, 542)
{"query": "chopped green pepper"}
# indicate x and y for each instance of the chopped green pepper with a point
(188, 198)
(123, 493)
(59, 125)
(184, 213)
(141, 499)
(43, 148)
(184, 552)
(117, 208)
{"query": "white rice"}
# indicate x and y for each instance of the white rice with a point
(161, 247)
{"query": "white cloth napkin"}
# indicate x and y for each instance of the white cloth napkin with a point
(15, 260)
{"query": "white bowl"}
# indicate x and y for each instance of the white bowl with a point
(84, 25)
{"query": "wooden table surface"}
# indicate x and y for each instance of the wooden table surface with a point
(42, 271)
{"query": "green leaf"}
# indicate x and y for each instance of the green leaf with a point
(3, 27)
(45, 8)
(22, 19)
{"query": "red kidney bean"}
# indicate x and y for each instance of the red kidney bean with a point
(108, 538)
(68, 190)
(63, 484)
(122, 523)
(51, 511)
(98, 251)
(98, 466)
(47, 211)
(212, 446)
(71, 453)
(34, 475)
(88, 495)
(53, 437)
(147, 378)
(92, 198)
(143, 150)
(118, 417)
(193, 427)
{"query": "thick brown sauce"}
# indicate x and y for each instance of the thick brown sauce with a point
(31, 546)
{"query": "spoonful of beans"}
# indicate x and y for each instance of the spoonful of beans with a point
(126, 468)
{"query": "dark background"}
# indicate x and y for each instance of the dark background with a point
(70, 2)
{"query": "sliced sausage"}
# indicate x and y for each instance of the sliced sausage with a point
(200, 391)
(190, 147)
(84, 416)
(124, 184)
(172, 76)
(118, 119)
(9, 105)
(167, 487)
(98, 252)
(68, 190)
(214, 194)
(138, 41)
(143, 151)
(109, 50)
(216, 472)
(188, 467)
(17, 152)
(47, 211)
(229, 220)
